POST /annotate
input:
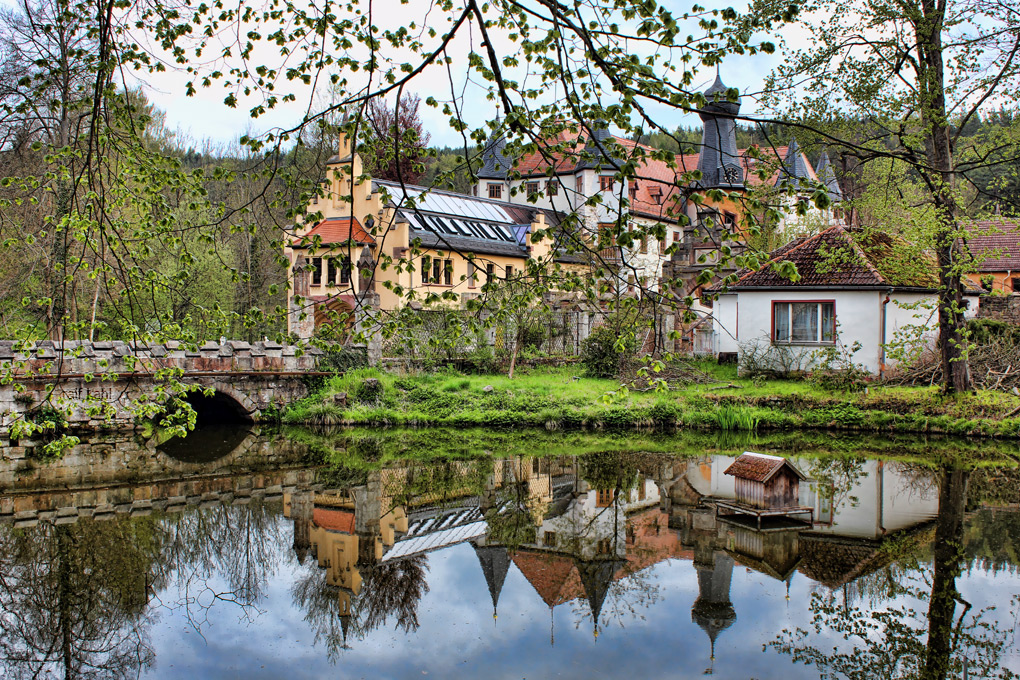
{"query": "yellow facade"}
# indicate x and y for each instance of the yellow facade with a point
(397, 278)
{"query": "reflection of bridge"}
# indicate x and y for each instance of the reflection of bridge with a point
(87, 377)
(117, 475)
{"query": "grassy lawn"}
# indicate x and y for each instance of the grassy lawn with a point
(564, 398)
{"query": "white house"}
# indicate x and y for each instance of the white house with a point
(853, 287)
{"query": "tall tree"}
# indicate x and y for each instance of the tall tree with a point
(912, 74)
(396, 143)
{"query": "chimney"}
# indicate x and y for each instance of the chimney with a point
(344, 146)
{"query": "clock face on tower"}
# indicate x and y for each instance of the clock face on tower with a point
(732, 174)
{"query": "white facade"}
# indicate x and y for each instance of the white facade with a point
(643, 263)
(867, 501)
(874, 318)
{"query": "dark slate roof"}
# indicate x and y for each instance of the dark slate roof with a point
(827, 176)
(795, 168)
(596, 577)
(495, 561)
(716, 96)
(598, 151)
(995, 245)
(494, 162)
(837, 258)
(758, 467)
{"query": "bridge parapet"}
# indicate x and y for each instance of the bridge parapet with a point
(107, 385)
(74, 358)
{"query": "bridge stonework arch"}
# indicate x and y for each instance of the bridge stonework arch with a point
(79, 377)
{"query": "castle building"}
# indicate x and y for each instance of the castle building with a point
(575, 172)
(378, 243)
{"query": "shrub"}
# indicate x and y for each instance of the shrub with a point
(836, 370)
(760, 357)
(369, 390)
(341, 359)
(603, 351)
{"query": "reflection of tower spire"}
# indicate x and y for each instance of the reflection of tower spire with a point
(713, 611)
(596, 577)
(495, 563)
(301, 513)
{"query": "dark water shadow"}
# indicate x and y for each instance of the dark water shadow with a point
(205, 444)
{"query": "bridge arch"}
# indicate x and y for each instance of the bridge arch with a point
(224, 406)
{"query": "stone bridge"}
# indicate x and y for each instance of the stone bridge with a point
(103, 385)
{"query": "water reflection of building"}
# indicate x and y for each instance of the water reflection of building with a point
(590, 538)
(573, 542)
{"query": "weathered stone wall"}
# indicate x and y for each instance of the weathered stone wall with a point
(104, 385)
(117, 475)
(1000, 307)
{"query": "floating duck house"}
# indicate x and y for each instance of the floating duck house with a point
(765, 486)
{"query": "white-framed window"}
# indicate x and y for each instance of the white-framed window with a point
(804, 322)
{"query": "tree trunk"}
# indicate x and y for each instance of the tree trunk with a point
(948, 554)
(928, 26)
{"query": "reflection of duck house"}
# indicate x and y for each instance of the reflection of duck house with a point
(766, 486)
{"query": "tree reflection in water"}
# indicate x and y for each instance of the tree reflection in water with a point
(73, 599)
(243, 545)
(898, 641)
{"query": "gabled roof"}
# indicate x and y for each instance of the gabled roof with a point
(759, 467)
(827, 176)
(995, 244)
(334, 231)
(838, 258)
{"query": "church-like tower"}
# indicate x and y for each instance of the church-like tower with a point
(719, 160)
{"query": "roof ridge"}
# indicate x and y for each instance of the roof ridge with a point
(800, 245)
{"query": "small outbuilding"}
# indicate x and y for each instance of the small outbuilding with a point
(766, 482)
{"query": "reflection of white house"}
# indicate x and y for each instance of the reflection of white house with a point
(594, 522)
(852, 287)
(875, 499)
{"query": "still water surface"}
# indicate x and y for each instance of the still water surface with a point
(233, 554)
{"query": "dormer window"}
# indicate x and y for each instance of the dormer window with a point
(632, 188)
(655, 192)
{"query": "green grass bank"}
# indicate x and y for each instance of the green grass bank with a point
(564, 399)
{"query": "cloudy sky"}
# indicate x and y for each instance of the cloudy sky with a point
(205, 117)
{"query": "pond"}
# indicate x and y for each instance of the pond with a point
(238, 553)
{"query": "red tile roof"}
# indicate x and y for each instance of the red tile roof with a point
(334, 519)
(759, 468)
(837, 257)
(335, 230)
(995, 244)
(553, 576)
(658, 181)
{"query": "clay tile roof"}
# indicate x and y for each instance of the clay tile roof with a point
(838, 258)
(336, 230)
(333, 519)
(995, 244)
(554, 577)
(758, 467)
